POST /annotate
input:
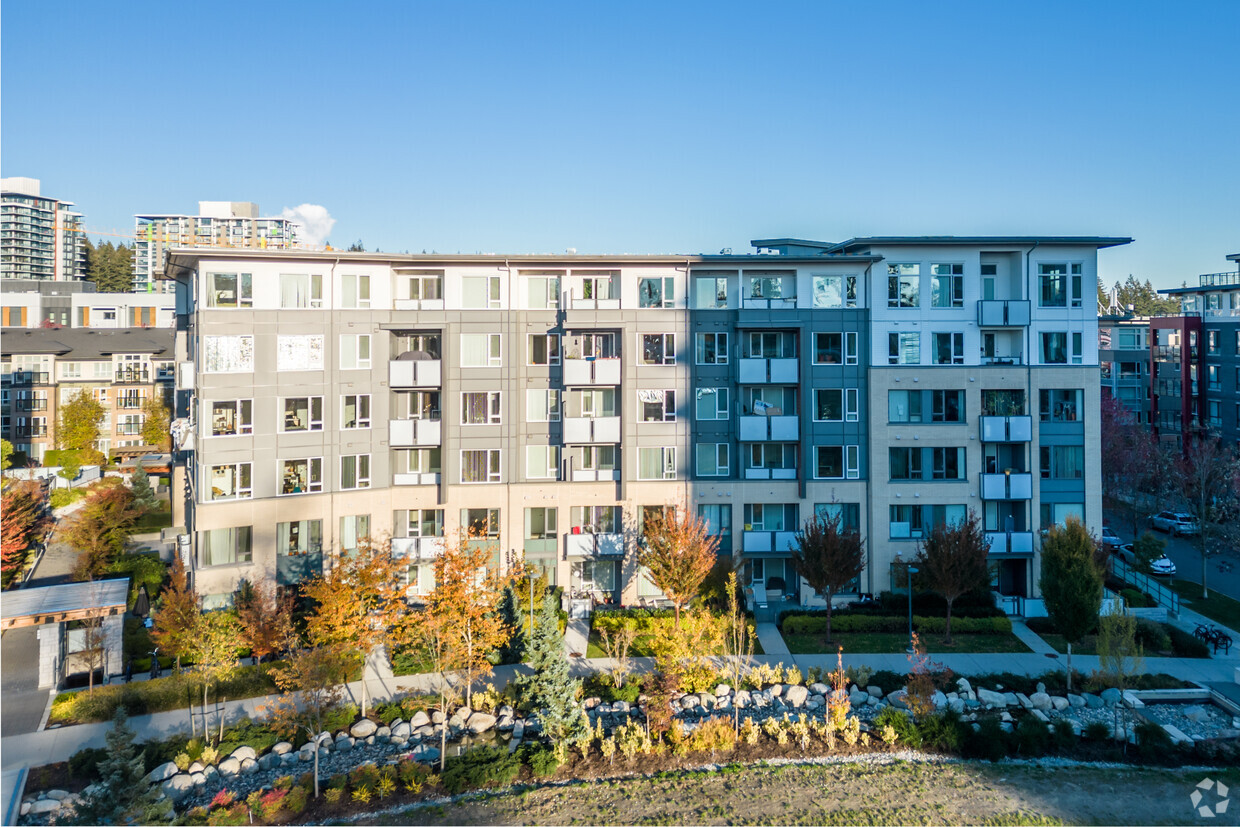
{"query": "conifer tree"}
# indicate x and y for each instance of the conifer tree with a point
(143, 494)
(551, 691)
(121, 794)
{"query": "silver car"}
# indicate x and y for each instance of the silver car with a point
(1162, 566)
(1176, 523)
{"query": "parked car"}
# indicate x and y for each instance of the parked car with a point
(1162, 566)
(1176, 523)
(1110, 539)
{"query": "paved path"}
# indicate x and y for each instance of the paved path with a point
(770, 638)
(577, 637)
(1030, 638)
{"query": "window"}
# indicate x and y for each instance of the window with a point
(226, 546)
(354, 291)
(590, 346)
(230, 482)
(835, 291)
(829, 462)
(712, 459)
(544, 349)
(597, 519)
(710, 291)
(904, 406)
(354, 531)
(771, 286)
(1212, 345)
(596, 288)
(772, 455)
(542, 462)
(1003, 402)
(770, 517)
(415, 522)
(829, 404)
(597, 402)
(230, 290)
(1077, 340)
(1213, 382)
(718, 519)
(656, 463)
(711, 403)
(303, 413)
(947, 463)
(542, 405)
(903, 348)
(657, 348)
(301, 290)
(232, 417)
(420, 286)
(481, 522)
(227, 354)
(948, 349)
(904, 463)
(829, 348)
(595, 575)
(540, 523)
(356, 412)
(711, 348)
(301, 476)
(849, 514)
(480, 466)
(914, 521)
(1058, 513)
(299, 353)
(1060, 405)
(480, 350)
(481, 408)
(598, 457)
(657, 292)
(1055, 348)
(543, 292)
(480, 292)
(903, 285)
(1063, 462)
(947, 406)
(355, 471)
(770, 345)
(355, 351)
(1056, 282)
(656, 405)
(947, 285)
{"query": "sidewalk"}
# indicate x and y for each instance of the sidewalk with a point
(1030, 638)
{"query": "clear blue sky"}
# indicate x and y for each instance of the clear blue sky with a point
(644, 127)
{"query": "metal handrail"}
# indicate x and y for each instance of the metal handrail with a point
(1162, 595)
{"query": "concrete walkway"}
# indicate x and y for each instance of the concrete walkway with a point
(1030, 638)
(770, 638)
(577, 637)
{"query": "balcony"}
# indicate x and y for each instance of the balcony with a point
(418, 548)
(404, 433)
(594, 474)
(592, 371)
(1007, 428)
(132, 376)
(131, 402)
(770, 428)
(1013, 359)
(768, 371)
(415, 373)
(772, 541)
(1002, 313)
(31, 404)
(31, 430)
(575, 302)
(129, 428)
(416, 478)
(27, 378)
(1015, 542)
(775, 303)
(418, 304)
(587, 544)
(583, 430)
(296, 568)
(1013, 486)
(770, 473)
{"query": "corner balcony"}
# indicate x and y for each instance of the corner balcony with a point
(418, 548)
(592, 371)
(416, 478)
(1014, 486)
(770, 428)
(406, 433)
(593, 545)
(771, 541)
(584, 430)
(767, 371)
(1003, 313)
(1007, 428)
(1014, 542)
(426, 373)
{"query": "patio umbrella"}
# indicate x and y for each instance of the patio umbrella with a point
(142, 605)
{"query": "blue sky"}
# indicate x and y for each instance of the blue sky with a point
(644, 127)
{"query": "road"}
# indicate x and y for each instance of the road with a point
(1185, 553)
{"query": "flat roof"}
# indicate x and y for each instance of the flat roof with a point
(67, 601)
(88, 342)
(893, 241)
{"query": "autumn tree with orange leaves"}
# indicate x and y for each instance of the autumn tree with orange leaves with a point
(177, 618)
(678, 553)
(23, 519)
(266, 618)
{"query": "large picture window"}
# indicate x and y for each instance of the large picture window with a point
(299, 353)
(480, 466)
(226, 546)
(301, 476)
(234, 290)
(301, 290)
(228, 354)
(232, 417)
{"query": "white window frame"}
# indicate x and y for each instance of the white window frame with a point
(361, 471)
(362, 423)
(723, 408)
(299, 352)
(667, 292)
(955, 276)
(714, 304)
(494, 293)
(847, 284)
(843, 465)
(852, 462)
(667, 462)
(313, 485)
(359, 363)
(668, 403)
(243, 428)
(818, 407)
(312, 424)
(553, 349)
(721, 348)
(552, 397)
(359, 279)
(494, 350)
(495, 467)
(956, 357)
(241, 355)
(551, 458)
(669, 349)
(722, 457)
(898, 357)
(240, 492)
(314, 291)
(245, 291)
(898, 275)
(551, 289)
(494, 407)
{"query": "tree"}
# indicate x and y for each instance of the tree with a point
(140, 485)
(1146, 550)
(310, 685)
(677, 553)
(551, 690)
(738, 638)
(360, 604)
(101, 529)
(121, 795)
(23, 518)
(176, 620)
(1132, 460)
(953, 561)
(6, 454)
(110, 267)
(357, 247)
(1071, 582)
(1144, 298)
(78, 428)
(1205, 478)
(215, 654)
(156, 423)
(828, 557)
(266, 619)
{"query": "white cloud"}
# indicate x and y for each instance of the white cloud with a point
(314, 222)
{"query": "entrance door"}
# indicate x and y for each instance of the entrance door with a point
(1014, 577)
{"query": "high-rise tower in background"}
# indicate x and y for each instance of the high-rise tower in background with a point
(40, 237)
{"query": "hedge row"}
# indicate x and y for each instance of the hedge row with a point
(817, 624)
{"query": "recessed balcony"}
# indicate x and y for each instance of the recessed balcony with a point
(768, 371)
(424, 373)
(584, 430)
(1007, 428)
(404, 433)
(770, 428)
(1009, 486)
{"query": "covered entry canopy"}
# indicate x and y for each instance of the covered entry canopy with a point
(69, 601)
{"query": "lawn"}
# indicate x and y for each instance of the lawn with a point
(895, 642)
(1217, 607)
(154, 520)
(641, 647)
(1087, 646)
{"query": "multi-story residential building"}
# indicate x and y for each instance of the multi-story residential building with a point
(218, 224)
(40, 237)
(1124, 359)
(40, 370)
(1195, 360)
(551, 403)
(32, 303)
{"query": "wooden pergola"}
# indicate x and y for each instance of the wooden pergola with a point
(62, 603)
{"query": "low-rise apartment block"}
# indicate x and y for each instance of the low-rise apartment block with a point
(38, 303)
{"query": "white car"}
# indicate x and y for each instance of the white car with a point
(1162, 566)
(1175, 523)
(1109, 538)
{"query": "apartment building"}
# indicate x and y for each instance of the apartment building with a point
(42, 369)
(217, 224)
(1124, 361)
(552, 402)
(40, 237)
(38, 303)
(1194, 377)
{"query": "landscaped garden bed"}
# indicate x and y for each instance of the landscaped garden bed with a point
(1157, 639)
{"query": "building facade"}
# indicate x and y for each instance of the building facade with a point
(35, 303)
(40, 237)
(551, 403)
(1124, 362)
(41, 370)
(218, 224)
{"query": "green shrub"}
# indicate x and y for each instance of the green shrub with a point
(480, 767)
(541, 759)
(1096, 731)
(1032, 737)
(599, 685)
(1137, 599)
(295, 801)
(143, 570)
(388, 712)
(341, 718)
(941, 731)
(989, 743)
(906, 730)
(1184, 645)
(84, 764)
(844, 623)
(1153, 742)
(161, 695)
(1152, 636)
(1063, 738)
(887, 680)
(247, 732)
(61, 497)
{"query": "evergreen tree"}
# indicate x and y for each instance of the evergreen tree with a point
(509, 610)
(551, 691)
(143, 494)
(110, 267)
(121, 794)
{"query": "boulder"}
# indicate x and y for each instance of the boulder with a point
(268, 761)
(873, 700)
(199, 778)
(1024, 701)
(1075, 701)
(306, 755)
(963, 685)
(1112, 696)
(161, 773)
(210, 772)
(459, 717)
(1010, 697)
(706, 699)
(481, 722)
(1195, 713)
(819, 688)
(518, 730)
(345, 744)
(873, 690)
(243, 752)
(288, 758)
(419, 718)
(383, 732)
(795, 696)
(856, 697)
(1040, 715)
(1041, 700)
(363, 728)
(58, 795)
(1177, 737)
(230, 766)
(775, 690)
(47, 805)
(621, 708)
(426, 731)
(742, 698)
(370, 740)
(1059, 703)
(437, 717)
(1041, 687)
(1092, 701)
(282, 747)
(989, 698)
(178, 786)
(897, 699)
(197, 766)
(722, 689)
(26, 805)
(938, 699)
(956, 705)
(688, 701)
(249, 766)
(402, 730)
(1006, 717)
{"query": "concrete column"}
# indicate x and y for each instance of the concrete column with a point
(49, 655)
(113, 658)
